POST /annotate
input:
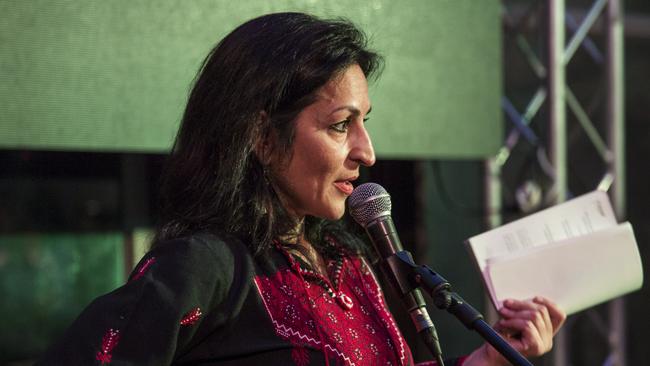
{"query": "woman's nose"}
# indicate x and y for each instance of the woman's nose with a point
(362, 151)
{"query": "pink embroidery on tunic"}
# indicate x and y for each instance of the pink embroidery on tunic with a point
(380, 306)
(110, 340)
(356, 335)
(191, 317)
(143, 269)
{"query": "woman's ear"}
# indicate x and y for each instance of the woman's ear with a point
(264, 139)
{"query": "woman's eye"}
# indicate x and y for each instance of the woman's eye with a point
(341, 126)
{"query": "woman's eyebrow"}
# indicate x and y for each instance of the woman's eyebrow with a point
(354, 110)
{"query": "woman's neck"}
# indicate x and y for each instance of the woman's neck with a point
(312, 256)
(298, 243)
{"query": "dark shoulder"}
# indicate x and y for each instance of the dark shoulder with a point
(202, 257)
(199, 273)
(202, 246)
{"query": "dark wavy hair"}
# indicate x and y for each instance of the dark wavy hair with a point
(270, 66)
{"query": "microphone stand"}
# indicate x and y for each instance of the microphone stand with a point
(411, 276)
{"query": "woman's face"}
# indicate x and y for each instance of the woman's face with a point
(330, 143)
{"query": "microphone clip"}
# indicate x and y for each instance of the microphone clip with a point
(409, 276)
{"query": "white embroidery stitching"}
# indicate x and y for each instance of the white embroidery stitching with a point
(284, 331)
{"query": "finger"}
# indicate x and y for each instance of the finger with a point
(515, 338)
(556, 314)
(539, 317)
(529, 340)
(515, 305)
(529, 310)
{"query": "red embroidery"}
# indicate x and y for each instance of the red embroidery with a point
(387, 318)
(356, 335)
(300, 356)
(110, 340)
(144, 268)
(191, 317)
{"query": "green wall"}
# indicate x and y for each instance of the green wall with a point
(101, 75)
(46, 280)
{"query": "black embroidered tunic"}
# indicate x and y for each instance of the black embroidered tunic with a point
(205, 301)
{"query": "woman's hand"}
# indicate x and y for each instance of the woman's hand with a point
(529, 327)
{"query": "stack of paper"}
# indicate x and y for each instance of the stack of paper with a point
(574, 253)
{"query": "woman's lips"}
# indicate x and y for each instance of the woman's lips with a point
(344, 186)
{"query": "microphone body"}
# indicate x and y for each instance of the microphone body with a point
(384, 238)
(370, 206)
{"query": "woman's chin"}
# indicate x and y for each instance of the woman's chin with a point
(333, 214)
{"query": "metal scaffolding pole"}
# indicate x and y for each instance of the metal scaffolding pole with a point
(557, 97)
(493, 199)
(616, 141)
(557, 124)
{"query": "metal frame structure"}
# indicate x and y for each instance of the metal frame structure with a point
(556, 94)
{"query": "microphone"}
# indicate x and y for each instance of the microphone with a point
(370, 206)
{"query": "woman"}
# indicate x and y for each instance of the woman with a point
(250, 264)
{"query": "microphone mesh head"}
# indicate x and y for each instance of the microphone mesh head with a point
(368, 202)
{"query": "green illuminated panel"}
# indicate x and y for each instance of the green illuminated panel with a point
(114, 75)
(45, 282)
